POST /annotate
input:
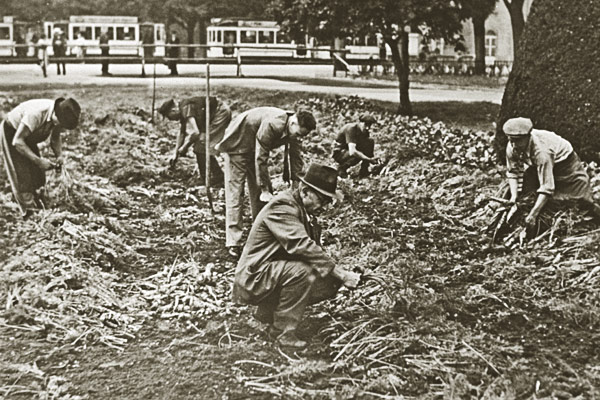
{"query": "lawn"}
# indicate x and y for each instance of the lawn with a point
(121, 290)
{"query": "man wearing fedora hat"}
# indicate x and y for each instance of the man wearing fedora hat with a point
(283, 267)
(27, 125)
(543, 161)
(247, 144)
(191, 112)
(353, 145)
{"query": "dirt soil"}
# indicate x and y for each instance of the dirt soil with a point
(121, 289)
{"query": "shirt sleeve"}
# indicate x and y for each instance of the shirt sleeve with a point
(32, 120)
(514, 168)
(285, 224)
(266, 140)
(296, 161)
(352, 135)
(545, 171)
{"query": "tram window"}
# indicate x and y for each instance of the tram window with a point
(218, 36)
(85, 31)
(248, 36)
(371, 40)
(266, 37)
(229, 37)
(110, 32)
(4, 33)
(125, 33)
(283, 38)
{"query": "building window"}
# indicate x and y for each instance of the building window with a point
(491, 43)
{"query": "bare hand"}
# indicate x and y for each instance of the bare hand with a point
(45, 165)
(172, 161)
(265, 197)
(351, 280)
(531, 220)
(374, 160)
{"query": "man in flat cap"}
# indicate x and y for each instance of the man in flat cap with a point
(353, 145)
(27, 125)
(283, 267)
(191, 113)
(543, 159)
(247, 145)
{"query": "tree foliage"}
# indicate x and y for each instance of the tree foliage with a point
(555, 80)
(392, 19)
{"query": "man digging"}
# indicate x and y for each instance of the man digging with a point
(553, 168)
(247, 144)
(353, 145)
(283, 267)
(27, 125)
(191, 113)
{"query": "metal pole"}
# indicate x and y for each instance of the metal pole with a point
(153, 92)
(207, 136)
(239, 62)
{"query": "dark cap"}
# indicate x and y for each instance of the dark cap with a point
(67, 111)
(322, 179)
(367, 118)
(166, 107)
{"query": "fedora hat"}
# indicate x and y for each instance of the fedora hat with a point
(67, 111)
(517, 126)
(322, 179)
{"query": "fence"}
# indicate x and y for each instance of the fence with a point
(340, 59)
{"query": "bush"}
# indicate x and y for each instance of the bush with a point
(555, 80)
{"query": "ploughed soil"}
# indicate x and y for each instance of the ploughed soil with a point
(121, 288)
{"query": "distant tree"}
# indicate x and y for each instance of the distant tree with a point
(478, 11)
(517, 19)
(393, 19)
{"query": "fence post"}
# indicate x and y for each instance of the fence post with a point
(239, 62)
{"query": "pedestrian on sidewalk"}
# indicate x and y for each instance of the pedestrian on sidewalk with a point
(59, 48)
(353, 145)
(191, 113)
(173, 52)
(104, 51)
(283, 267)
(27, 125)
(247, 144)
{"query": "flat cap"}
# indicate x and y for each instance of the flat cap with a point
(367, 118)
(517, 126)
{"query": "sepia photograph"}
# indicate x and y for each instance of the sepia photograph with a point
(300, 199)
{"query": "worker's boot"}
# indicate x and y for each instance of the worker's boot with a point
(364, 170)
(289, 339)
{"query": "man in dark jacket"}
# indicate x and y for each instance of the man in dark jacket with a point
(353, 145)
(283, 267)
(59, 48)
(191, 112)
(247, 144)
(173, 52)
(104, 52)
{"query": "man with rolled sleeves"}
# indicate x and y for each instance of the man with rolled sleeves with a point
(247, 144)
(545, 162)
(27, 125)
(353, 145)
(191, 112)
(283, 267)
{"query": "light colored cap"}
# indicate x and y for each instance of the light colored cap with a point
(517, 126)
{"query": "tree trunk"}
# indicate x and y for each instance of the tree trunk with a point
(402, 62)
(191, 28)
(203, 39)
(517, 20)
(479, 34)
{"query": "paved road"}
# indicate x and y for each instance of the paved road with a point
(29, 76)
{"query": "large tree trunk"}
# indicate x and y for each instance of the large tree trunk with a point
(479, 34)
(191, 28)
(401, 61)
(517, 20)
(559, 90)
(202, 27)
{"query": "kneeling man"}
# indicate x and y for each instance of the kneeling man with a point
(353, 145)
(283, 267)
(551, 159)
